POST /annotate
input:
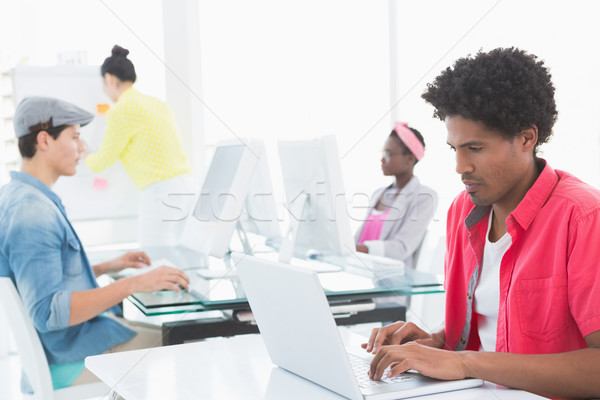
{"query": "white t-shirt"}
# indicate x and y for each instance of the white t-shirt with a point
(487, 292)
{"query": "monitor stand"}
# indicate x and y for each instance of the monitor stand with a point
(243, 236)
(288, 243)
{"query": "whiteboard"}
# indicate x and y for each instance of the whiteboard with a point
(86, 195)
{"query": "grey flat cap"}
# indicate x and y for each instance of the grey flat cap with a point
(38, 113)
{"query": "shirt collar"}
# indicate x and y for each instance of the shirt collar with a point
(39, 185)
(536, 196)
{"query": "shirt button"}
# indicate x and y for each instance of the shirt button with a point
(463, 340)
(469, 296)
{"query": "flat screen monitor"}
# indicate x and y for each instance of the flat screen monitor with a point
(236, 192)
(315, 197)
(259, 214)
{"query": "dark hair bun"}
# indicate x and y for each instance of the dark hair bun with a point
(118, 51)
(119, 65)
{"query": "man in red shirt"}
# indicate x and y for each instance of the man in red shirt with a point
(522, 271)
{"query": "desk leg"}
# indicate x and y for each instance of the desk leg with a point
(184, 331)
(383, 313)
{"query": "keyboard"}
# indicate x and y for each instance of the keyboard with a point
(360, 366)
(310, 264)
(126, 272)
(378, 260)
(367, 264)
(314, 265)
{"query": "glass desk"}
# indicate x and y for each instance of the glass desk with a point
(226, 293)
(350, 287)
(223, 291)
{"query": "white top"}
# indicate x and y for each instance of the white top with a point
(487, 292)
(232, 368)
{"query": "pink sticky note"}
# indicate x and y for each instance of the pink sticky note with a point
(100, 184)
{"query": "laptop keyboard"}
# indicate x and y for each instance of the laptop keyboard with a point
(361, 369)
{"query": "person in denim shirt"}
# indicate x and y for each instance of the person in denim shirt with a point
(41, 252)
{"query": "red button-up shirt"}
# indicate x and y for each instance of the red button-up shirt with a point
(549, 277)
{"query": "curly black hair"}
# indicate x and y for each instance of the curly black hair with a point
(506, 89)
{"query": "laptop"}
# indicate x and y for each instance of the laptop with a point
(301, 336)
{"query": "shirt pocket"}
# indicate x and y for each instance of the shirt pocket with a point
(72, 265)
(543, 307)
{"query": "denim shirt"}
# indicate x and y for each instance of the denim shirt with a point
(41, 253)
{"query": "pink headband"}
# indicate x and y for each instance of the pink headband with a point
(409, 139)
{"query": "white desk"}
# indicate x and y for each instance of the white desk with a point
(230, 368)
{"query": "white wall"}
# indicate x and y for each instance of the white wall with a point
(34, 31)
(278, 71)
(281, 70)
(565, 36)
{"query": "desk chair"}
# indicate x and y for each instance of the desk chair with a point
(405, 301)
(33, 358)
(416, 257)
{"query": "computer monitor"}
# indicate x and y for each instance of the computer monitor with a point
(236, 192)
(315, 197)
(259, 214)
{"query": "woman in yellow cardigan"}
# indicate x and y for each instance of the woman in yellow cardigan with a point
(141, 132)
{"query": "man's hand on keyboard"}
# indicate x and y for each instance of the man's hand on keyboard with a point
(435, 363)
(132, 259)
(160, 278)
(399, 333)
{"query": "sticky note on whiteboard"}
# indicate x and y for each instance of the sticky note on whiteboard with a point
(100, 184)
(102, 108)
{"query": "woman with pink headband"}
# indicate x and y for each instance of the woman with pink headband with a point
(399, 214)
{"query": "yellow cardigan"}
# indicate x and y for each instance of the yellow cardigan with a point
(141, 131)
